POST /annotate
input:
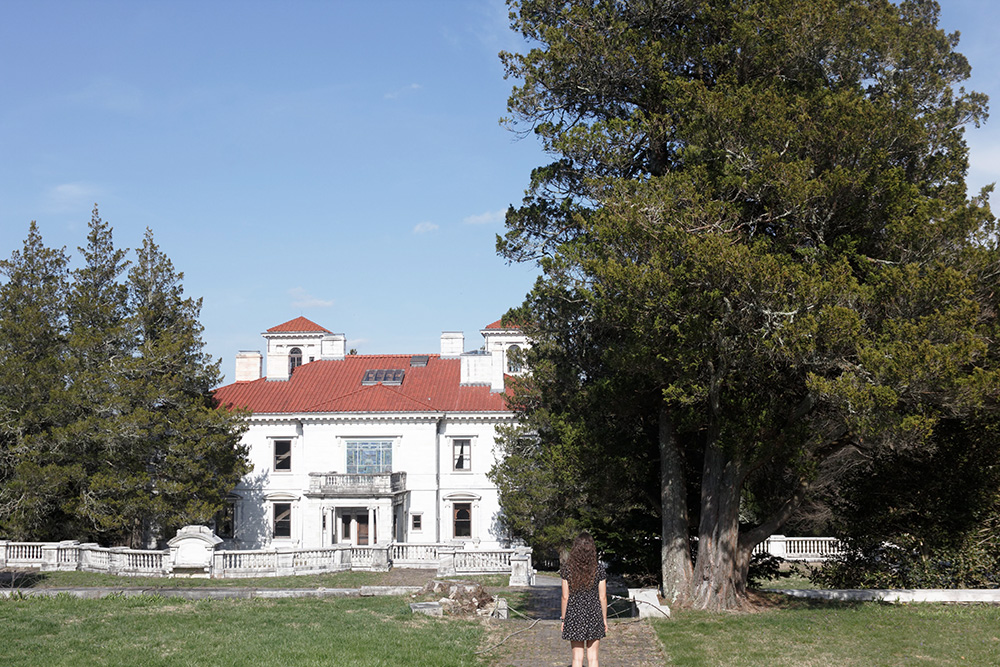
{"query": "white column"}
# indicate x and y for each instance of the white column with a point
(474, 518)
(372, 535)
(448, 522)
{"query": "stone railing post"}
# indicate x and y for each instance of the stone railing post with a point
(3, 553)
(50, 558)
(446, 561)
(83, 563)
(63, 561)
(218, 564)
(380, 559)
(117, 559)
(285, 563)
(521, 571)
(778, 546)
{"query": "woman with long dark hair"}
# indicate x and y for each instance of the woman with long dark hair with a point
(584, 600)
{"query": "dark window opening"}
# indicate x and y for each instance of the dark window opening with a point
(225, 520)
(463, 519)
(294, 359)
(513, 359)
(282, 519)
(393, 376)
(462, 454)
(282, 455)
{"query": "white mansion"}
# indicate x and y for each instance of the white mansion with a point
(368, 449)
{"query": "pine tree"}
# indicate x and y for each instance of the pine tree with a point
(191, 454)
(108, 429)
(37, 473)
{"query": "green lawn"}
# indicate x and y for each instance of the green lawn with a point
(370, 632)
(152, 630)
(808, 634)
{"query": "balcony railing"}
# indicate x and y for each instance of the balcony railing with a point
(374, 484)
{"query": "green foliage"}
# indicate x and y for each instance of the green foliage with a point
(108, 429)
(760, 265)
(924, 518)
(764, 568)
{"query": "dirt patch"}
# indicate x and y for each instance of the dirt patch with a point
(405, 577)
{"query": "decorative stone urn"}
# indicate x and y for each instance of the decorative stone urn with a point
(191, 551)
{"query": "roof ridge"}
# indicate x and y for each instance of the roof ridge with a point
(341, 396)
(398, 390)
(298, 324)
(368, 389)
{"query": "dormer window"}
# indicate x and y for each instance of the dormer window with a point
(393, 376)
(294, 359)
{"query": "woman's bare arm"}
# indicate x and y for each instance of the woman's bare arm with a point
(602, 592)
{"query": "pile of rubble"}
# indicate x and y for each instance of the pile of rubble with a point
(460, 598)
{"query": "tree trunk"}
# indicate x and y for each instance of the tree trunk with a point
(720, 569)
(675, 552)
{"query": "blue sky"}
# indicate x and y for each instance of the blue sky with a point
(337, 160)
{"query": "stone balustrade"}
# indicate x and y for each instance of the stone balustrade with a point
(194, 553)
(341, 484)
(809, 549)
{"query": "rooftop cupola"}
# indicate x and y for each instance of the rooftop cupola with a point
(298, 342)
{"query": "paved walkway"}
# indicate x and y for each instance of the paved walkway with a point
(537, 642)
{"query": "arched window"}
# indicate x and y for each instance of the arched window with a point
(463, 520)
(294, 359)
(513, 365)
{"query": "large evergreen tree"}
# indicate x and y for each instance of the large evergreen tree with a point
(37, 474)
(760, 266)
(110, 432)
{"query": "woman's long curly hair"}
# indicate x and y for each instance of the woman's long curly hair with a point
(581, 565)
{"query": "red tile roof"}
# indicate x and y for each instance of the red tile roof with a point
(499, 325)
(335, 386)
(298, 325)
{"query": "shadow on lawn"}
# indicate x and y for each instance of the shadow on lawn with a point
(21, 578)
(767, 600)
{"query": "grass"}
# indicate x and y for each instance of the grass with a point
(154, 631)
(794, 576)
(97, 579)
(351, 632)
(808, 633)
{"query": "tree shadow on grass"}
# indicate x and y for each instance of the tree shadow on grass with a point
(21, 578)
(768, 601)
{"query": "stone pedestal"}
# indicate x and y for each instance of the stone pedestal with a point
(647, 602)
(191, 551)
(521, 571)
(446, 561)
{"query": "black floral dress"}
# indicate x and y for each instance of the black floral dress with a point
(584, 618)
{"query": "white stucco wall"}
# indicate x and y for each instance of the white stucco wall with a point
(422, 448)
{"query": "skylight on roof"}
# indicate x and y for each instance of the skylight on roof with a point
(419, 360)
(393, 376)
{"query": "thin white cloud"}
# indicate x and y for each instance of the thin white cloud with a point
(391, 95)
(71, 196)
(488, 218)
(303, 299)
(425, 228)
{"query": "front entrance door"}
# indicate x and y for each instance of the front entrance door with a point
(362, 520)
